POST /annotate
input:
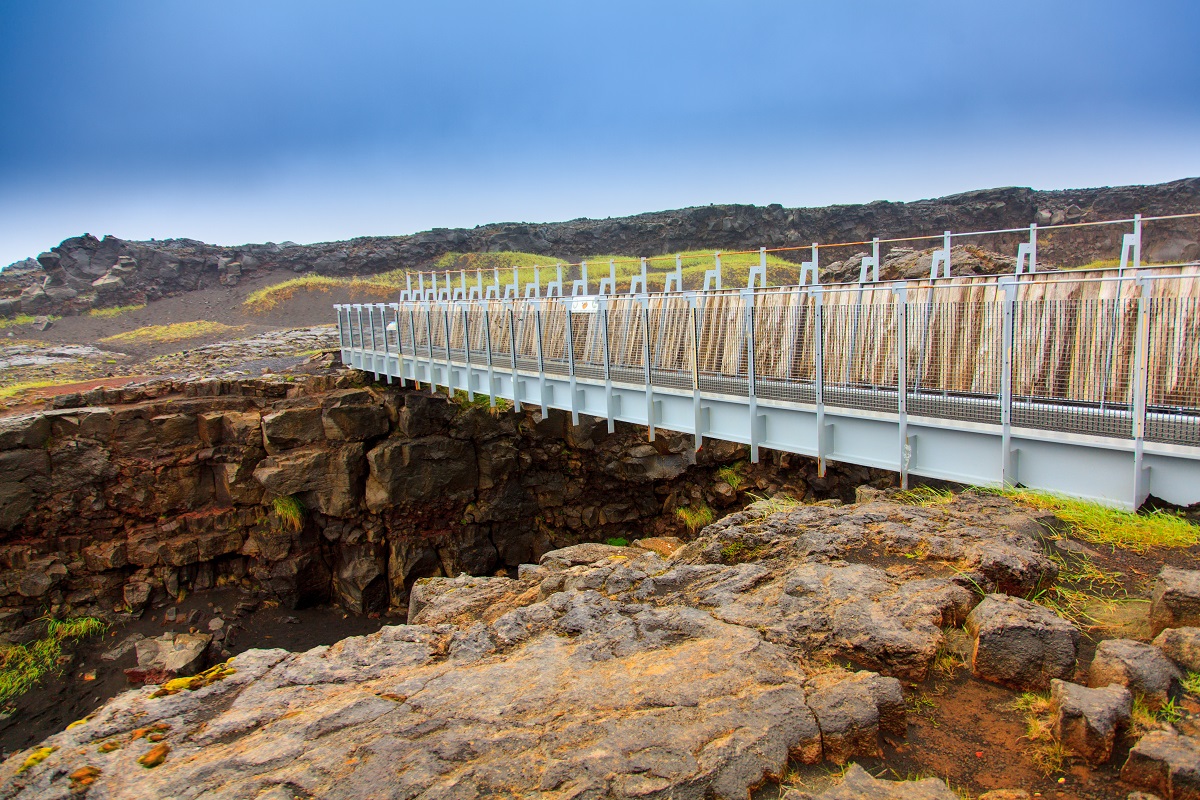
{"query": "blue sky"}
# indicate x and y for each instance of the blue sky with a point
(293, 120)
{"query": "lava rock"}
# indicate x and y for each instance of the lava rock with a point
(1175, 602)
(1141, 667)
(1086, 720)
(858, 784)
(1020, 644)
(852, 713)
(1166, 763)
(1181, 645)
(168, 656)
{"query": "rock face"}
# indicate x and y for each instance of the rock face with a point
(1141, 667)
(1181, 645)
(121, 498)
(602, 671)
(858, 784)
(1176, 599)
(84, 270)
(1020, 644)
(1165, 763)
(1086, 721)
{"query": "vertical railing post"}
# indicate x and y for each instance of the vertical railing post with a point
(341, 339)
(416, 353)
(446, 332)
(429, 345)
(487, 342)
(362, 342)
(537, 322)
(571, 365)
(1008, 475)
(698, 430)
(608, 390)
(823, 443)
(1141, 389)
(399, 342)
(645, 303)
(901, 300)
(512, 350)
(387, 349)
(751, 393)
(467, 347)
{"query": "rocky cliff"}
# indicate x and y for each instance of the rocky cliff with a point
(319, 487)
(85, 271)
(601, 672)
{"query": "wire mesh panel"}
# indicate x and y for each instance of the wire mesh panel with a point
(723, 363)
(784, 347)
(437, 329)
(476, 334)
(1173, 369)
(525, 325)
(587, 329)
(391, 325)
(1073, 359)
(554, 336)
(457, 331)
(626, 340)
(500, 328)
(672, 344)
(955, 342)
(860, 341)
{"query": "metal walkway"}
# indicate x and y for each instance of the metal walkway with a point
(1086, 384)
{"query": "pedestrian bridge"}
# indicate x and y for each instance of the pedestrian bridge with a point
(1080, 382)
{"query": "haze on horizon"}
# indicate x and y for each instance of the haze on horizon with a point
(236, 122)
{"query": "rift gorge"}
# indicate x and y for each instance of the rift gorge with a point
(907, 514)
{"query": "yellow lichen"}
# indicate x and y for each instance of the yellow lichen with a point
(194, 682)
(155, 756)
(36, 757)
(109, 746)
(79, 722)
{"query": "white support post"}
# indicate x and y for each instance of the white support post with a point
(555, 287)
(1027, 252)
(341, 338)
(608, 395)
(713, 274)
(532, 289)
(823, 444)
(872, 262)
(609, 285)
(811, 269)
(429, 346)
(580, 286)
(942, 258)
(901, 299)
(637, 284)
(362, 343)
(674, 280)
(1008, 475)
(1140, 389)
(399, 341)
(759, 272)
(387, 351)
(513, 290)
(1131, 246)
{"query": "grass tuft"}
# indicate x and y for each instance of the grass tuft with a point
(176, 332)
(925, 496)
(14, 389)
(1046, 754)
(1099, 524)
(23, 666)
(731, 476)
(617, 541)
(114, 311)
(290, 511)
(23, 319)
(695, 517)
(774, 504)
(1191, 684)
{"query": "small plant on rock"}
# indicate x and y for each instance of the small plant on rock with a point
(1191, 684)
(617, 541)
(290, 511)
(22, 666)
(695, 517)
(731, 476)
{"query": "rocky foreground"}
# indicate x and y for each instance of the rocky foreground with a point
(661, 670)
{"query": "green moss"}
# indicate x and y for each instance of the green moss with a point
(290, 511)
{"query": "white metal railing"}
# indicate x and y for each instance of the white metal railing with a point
(1109, 356)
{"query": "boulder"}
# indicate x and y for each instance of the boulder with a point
(1020, 644)
(433, 468)
(425, 415)
(1086, 720)
(292, 427)
(355, 423)
(663, 545)
(1166, 763)
(852, 713)
(1175, 602)
(1141, 667)
(171, 655)
(1181, 645)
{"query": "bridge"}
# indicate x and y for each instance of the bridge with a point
(1084, 382)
